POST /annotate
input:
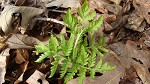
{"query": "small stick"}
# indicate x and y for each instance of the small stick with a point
(51, 19)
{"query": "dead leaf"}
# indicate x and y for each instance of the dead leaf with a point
(22, 55)
(2, 68)
(141, 7)
(134, 52)
(24, 68)
(63, 3)
(4, 56)
(27, 14)
(98, 5)
(130, 77)
(142, 72)
(116, 1)
(33, 79)
(126, 53)
(21, 41)
(115, 9)
(136, 22)
(3, 46)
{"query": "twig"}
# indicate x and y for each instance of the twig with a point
(51, 19)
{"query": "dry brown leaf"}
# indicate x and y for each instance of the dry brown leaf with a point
(147, 37)
(130, 51)
(142, 72)
(115, 9)
(134, 52)
(24, 68)
(98, 5)
(22, 55)
(2, 46)
(116, 1)
(63, 3)
(27, 14)
(136, 22)
(141, 6)
(131, 55)
(21, 41)
(33, 79)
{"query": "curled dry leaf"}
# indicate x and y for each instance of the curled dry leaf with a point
(27, 14)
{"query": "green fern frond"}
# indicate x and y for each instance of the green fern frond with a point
(94, 25)
(92, 73)
(84, 10)
(78, 53)
(64, 67)
(55, 64)
(70, 20)
(69, 45)
(101, 41)
(82, 74)
(91, 61)
(71, 73)
(89, 17)
(41, 58)
(105, 67)
(80, 35)
(41, 48)
(84, 56)
(53, 44)
(99, 64)
(103, 49)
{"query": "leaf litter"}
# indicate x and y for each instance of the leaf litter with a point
(125, 29)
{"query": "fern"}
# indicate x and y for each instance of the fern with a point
(55, 64)
(78, 53)
(82, 74)
(71, 72)
(65, 67)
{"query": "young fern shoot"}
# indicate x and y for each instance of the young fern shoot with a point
(78, 53)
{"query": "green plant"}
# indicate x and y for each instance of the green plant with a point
(78, 53)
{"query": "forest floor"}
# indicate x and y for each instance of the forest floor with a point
(25, 23)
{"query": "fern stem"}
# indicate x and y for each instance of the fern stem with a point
(80, 35)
